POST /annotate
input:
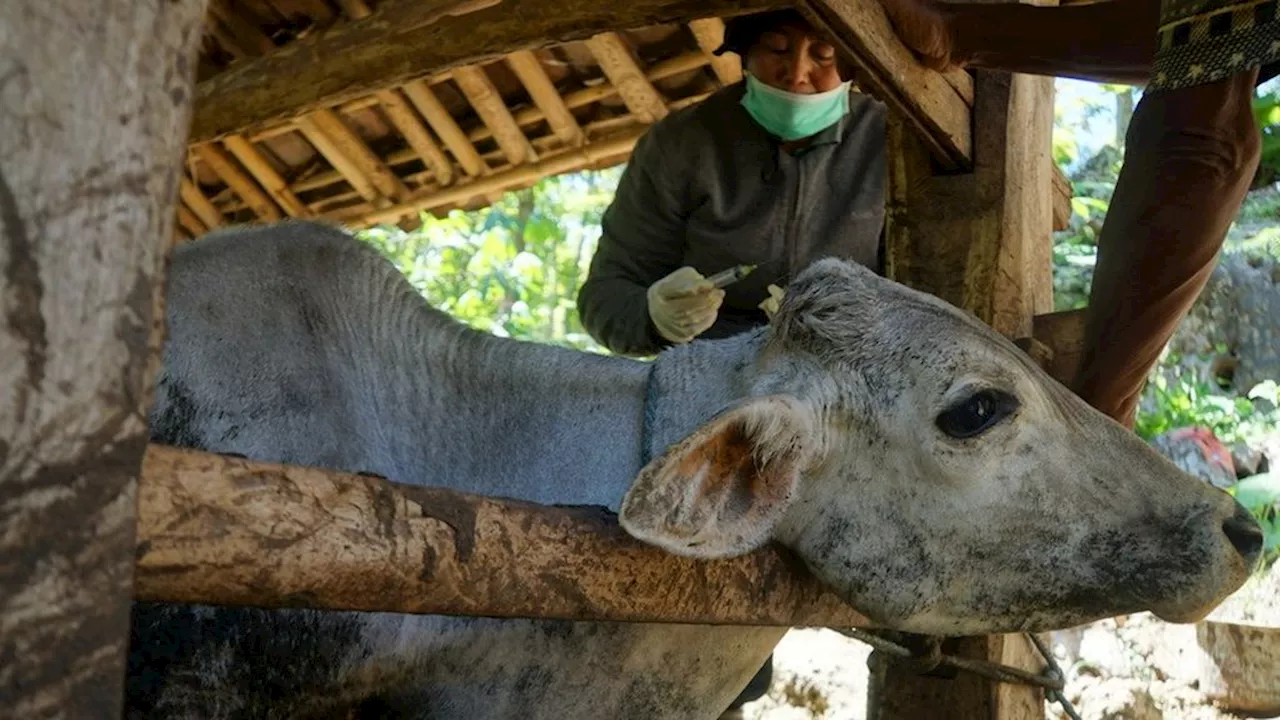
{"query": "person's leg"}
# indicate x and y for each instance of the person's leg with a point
(1191, 155)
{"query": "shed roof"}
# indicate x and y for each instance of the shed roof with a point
(457, 138)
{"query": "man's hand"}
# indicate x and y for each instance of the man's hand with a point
(926, 30)
(683, 305)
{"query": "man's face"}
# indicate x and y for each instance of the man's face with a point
(794, 58)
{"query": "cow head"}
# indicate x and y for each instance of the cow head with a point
(938, 480)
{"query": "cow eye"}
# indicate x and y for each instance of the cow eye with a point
(976, 414)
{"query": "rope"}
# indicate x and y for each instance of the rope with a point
(1051, 679)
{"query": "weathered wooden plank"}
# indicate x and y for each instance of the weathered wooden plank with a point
(1062, 194)
(215, 529)
(95, 99)
(545, 96)
(1063, 333)
(931, 103)
(618, 64)
(982, 240)
(407, 39)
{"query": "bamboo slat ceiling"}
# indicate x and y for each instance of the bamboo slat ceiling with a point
(457, 139)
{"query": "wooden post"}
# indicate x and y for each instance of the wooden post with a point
(95, 100)
(982, 241)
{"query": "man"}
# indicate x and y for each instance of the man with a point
(784, 167)
(1191, 152)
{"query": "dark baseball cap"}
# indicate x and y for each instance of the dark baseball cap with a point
(742, 31)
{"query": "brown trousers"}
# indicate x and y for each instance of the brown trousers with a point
(1191, 155)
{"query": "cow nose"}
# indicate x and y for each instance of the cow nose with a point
(1245, 534)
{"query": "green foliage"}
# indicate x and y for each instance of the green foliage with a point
(514, 268)
(1266, 111)
(1260, 495)
(1174, 398)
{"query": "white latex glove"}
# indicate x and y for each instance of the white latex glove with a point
(683, 305)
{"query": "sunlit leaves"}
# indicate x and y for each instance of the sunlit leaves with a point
(514, 268)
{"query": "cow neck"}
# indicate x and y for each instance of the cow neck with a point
(690, 384)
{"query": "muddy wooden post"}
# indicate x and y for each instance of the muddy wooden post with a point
(981, 240)
(95, 102)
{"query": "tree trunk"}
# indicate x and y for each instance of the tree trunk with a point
(94, 107)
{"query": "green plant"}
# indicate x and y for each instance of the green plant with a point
(1266, 111)
(1175, 398)
(1260, 495)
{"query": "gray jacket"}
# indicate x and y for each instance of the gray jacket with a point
(708, 187)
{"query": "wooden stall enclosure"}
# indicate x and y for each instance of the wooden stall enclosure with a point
(362, 113)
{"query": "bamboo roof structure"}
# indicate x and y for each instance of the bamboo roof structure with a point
(452, 139)
(366, 112)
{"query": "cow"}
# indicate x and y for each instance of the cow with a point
(917, 462)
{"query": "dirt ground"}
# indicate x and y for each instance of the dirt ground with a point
(1132, 668)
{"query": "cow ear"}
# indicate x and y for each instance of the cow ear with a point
(721, 491)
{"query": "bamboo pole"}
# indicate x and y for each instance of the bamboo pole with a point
(565, 161)
(271, 181)
(532, 115)
(240, 183)
(227, 531)
(615, 58)
(199, 204)
(188, 221)
(425, 100)
(709, 32)
(350, 156)
(484, 98)
(545, 96)
(402, 116)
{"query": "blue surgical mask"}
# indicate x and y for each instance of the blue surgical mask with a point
(792, 116)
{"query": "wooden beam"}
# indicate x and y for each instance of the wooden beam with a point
(581, 98)
(262, 170)
(407, 39)
(983, 240)
(545, 96)
(92, 123)
(488, 104)
(240, 183)
(931, 103)
(1062, 192)
(437, 115)
(709, 32)
(618, 64)
(402, 116)
(1063, 333)
(222, 530)
(199, 204)
(248, 36)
